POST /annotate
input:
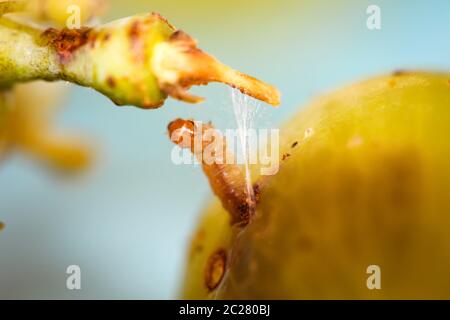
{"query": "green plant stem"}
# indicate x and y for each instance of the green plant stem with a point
(138, 61)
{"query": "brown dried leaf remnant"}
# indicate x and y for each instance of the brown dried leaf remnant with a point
(67, 41)
(215, 269)
(179, 64)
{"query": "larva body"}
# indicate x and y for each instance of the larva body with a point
(219, 165)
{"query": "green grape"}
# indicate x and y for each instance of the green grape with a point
(366, 183)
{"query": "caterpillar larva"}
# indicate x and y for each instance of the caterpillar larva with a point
(225, 176)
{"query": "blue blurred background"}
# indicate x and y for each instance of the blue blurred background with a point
(128, 219)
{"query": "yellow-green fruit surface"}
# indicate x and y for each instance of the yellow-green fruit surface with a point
(366, 182)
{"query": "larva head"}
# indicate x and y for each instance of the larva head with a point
(181, 132)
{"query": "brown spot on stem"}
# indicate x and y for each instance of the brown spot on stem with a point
(136, 33)
(111, 81)
(304, 243)
(215, 269)
(92, 40)
(67, 41)
(107, 37)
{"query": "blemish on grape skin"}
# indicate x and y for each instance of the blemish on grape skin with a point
(67, 41)
(285, 156)
(137, 45)
(215, 269)
(2, 225)
(294, 144)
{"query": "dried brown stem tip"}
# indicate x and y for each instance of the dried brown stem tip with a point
(179, 64)
(225, 177)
